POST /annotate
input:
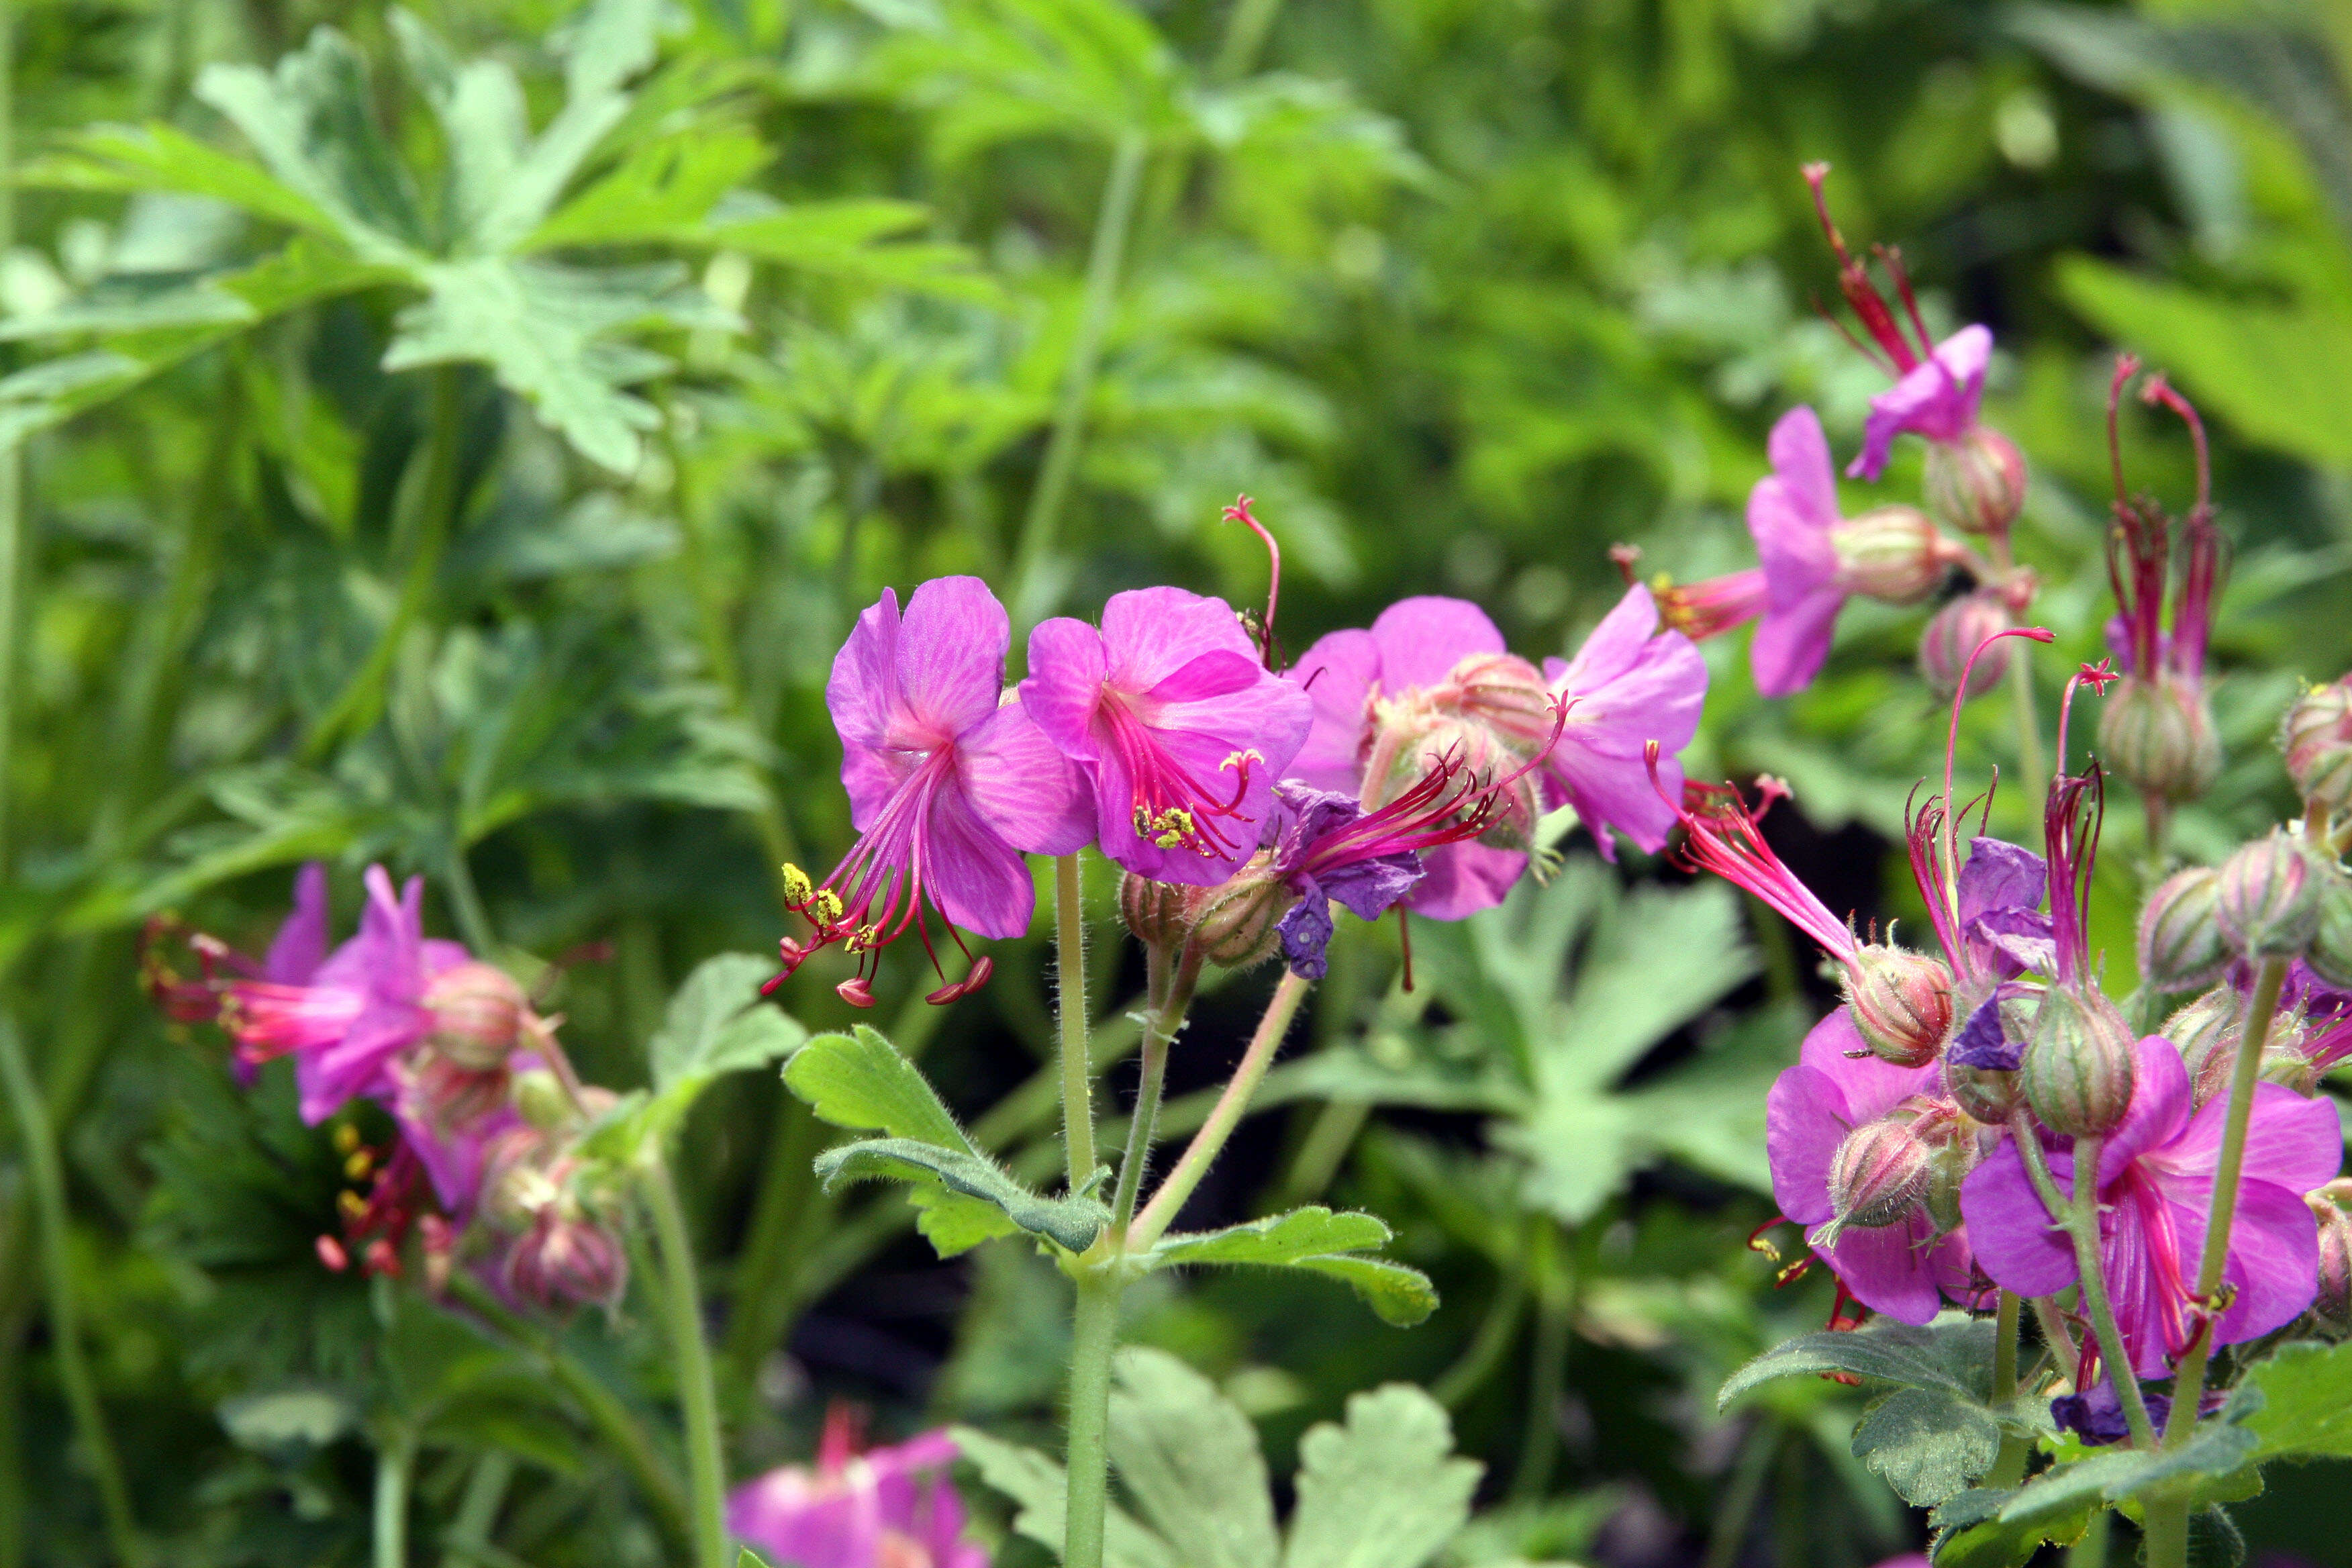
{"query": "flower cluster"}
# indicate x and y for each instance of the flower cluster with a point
(1402, 767)
(1811, 558)
(482, 1103)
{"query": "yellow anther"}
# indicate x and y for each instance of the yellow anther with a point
(798, 890)
(359, 1164)
(351, 1205)
(347, 1137)
(827, 905)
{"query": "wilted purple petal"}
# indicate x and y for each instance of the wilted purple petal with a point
(1983, 1045)
(1937, 399)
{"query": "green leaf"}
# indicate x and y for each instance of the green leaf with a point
(1039, 1487)
(860, 1082)
(1402, 1296)
(717, 1022)
(1953, 1353)
(2298, 1401)
(544, 330)
(861, 240)
(1276, 1239)
(294, 1418)
(662, 190)
(955, 1224)
(160, 157)
(1072, 1222)
(1929, 1443)
(2001, 1530)
(1382, 1491)
(1190, 1461)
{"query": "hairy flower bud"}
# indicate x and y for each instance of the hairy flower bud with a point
(1235, 928)
(2206, 1028)
(478, 1015)
(1956, 631)
(1977, 483)
(2158, 731)
(1987, 1094)
(2330, 954)
(2333, 1305)
(2181, 942)
(2316, 736)
(1879, 1174)
(2080, 1064)
(2269, 896)
(539, 1099)
(1157, 914)
(1956, 1150)
(1893, 553)
(565, 1259)
(1902, 1003)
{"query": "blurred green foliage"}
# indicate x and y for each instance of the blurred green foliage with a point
(460, 436)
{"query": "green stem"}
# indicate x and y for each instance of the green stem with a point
(356, 709)
(1486, 1347)
(1745, 1491)
(396, 1463)
(2091, 1551)
(1171, 993)
(1094, 1335)
(1539, 1445)
(2058, 1338)
(478, 1511)
(1245, 33)
(2009, 1465)
(2079, 1218)
(1070, 986)
(1030, 589)
(681, 1308)
(1329, 1136)
(619, 1427)
(1161, 1211)
(45, 1176)
(11, 466)
(2032, 771)
(466, 903)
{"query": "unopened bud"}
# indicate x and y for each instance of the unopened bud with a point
(1879, 1173)
(2081, 1064)
(1987, 1094)
(565, 1261)
(1956, 1151)
(2316, 736)
(1236, 929)
(1157, 914)
(2158, 731)
(477, 1014)
(2270, 893)
(1977, 483)
(1902, 1003)
(539, 1099)
(2333, 1305)
(1956, 631)
(1893, 553)
(2206, 1033)
(2330, 954)
(2181, 942)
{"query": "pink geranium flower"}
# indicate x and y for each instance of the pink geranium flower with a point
(883, 1507)
(1906, 1269)
(1177, 727)
(948, 785)
(2155, 1186)
(1432, 671)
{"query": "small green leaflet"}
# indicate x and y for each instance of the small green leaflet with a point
(1313, 1238)
(716, 1023)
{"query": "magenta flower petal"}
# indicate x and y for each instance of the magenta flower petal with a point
(1887, 1268)
(2273, 1262)
(1792, 645)
(2011, 1230)
(1067, 665)
(950, 663)
(1023, 787)
(1149, 634)
(1462, 878)
(1632, 683)
(1805, 1120)
(1421, 639)
(868, 1510)
(1937, 398)
(979, 881)
(1792, 510)
(2159, 1108)
(1337, 674)
(2301, 1148)
(301, 945)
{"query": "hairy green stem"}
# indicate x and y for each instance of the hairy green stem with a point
(1547, 1377)
(478, 1511)
(1161, 1211)
(2091, 1551)
(358, 706)
(1031, 557)
(2009, 1465)
(2058, 1338)
(1070, 987)
(395, 1464)
(1171, 991)
(1486, 1349)
(2078, 1217)
(1745, 1490)
(1094, 1335)
(2167, 1518)
(45, 1176)
(681, 1307)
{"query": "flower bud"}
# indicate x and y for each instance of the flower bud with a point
(1977, 483)
(1235, 928)
(2158, 731)
(1902, 1003)
(2181, 942)
(1956, 1150)
(2080, 1064)
(539, 1099)
(1157, 914)
(1987, 1094)
(477, 1014)
(2330, 955)
(565, 1259)
(1893, 553)
(2269, 896)
(1957, 630)
(2333, 1305)
(2316, 736)
(1878, 1175)
(2206, 1034)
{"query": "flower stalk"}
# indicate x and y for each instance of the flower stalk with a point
(2079, 1218)
(681, 1310)
(395, 1465)
(1172, 981)
(1070, 983)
